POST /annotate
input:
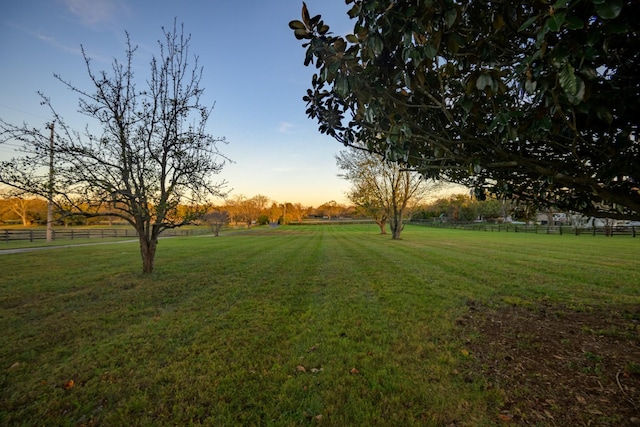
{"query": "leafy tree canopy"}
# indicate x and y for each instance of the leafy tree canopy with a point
(537, 101)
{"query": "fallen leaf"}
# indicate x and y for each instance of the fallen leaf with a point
(505, 418)
(318, 417)
(465, 352)
(581, 399)
(69, 384)
(301, 368)
(354, 371)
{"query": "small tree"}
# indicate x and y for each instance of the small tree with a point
(383, 189)
(330, 209)
(152, 154)
(216, 220)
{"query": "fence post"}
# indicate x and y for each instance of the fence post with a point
(633, 230)
(561, 230)
(31, 235)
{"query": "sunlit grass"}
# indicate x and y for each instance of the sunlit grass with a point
(286, 326)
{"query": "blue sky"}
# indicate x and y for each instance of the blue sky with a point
(253, 72)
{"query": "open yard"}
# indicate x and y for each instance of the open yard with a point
(325, 325)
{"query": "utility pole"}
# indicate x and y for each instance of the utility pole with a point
(50, 198)
(284, 213)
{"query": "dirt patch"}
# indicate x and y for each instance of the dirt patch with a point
(558, 366)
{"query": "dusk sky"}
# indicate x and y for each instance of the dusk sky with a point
(253, 72)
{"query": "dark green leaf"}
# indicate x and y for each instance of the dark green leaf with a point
(339, 45)
(574, 23)
(355, 10)
(450, 17)
(555, 21)
(341, 86)
(561, 4)
(567, 79)
(430, 51)
(375, 43)
(305, 15)
(609, 10)
(527, 23)
(588, 73)
(315, 20)
(296, 25)
(301, 33)
(352, 39)
(453, 44)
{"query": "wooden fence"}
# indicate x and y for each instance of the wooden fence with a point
(627, 230)
(31, 235)
(332, 222)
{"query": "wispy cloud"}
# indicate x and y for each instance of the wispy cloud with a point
(285, 127)
(93, 12)
(55, 43)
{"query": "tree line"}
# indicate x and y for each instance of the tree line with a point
(240, 210)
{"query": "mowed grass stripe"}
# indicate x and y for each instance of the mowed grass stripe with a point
(266, 326)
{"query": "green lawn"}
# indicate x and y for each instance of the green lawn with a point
(297, 325)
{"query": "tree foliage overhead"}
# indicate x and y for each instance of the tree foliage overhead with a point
(148, 159)
(534, 100)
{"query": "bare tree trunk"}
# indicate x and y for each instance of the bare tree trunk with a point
(395, 222)
(396, 229)
(148, 252)
(383, 226)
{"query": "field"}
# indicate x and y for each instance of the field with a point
(325, 325)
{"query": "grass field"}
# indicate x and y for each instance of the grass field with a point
(288, 326)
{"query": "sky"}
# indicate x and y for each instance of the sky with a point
(253, 72)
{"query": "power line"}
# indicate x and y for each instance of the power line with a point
(10, 144)
(22, 111)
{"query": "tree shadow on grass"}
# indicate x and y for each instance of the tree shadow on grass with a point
(556, 365)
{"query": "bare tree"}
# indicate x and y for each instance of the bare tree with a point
(151, 155)
(216, 219)
(382, 189)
